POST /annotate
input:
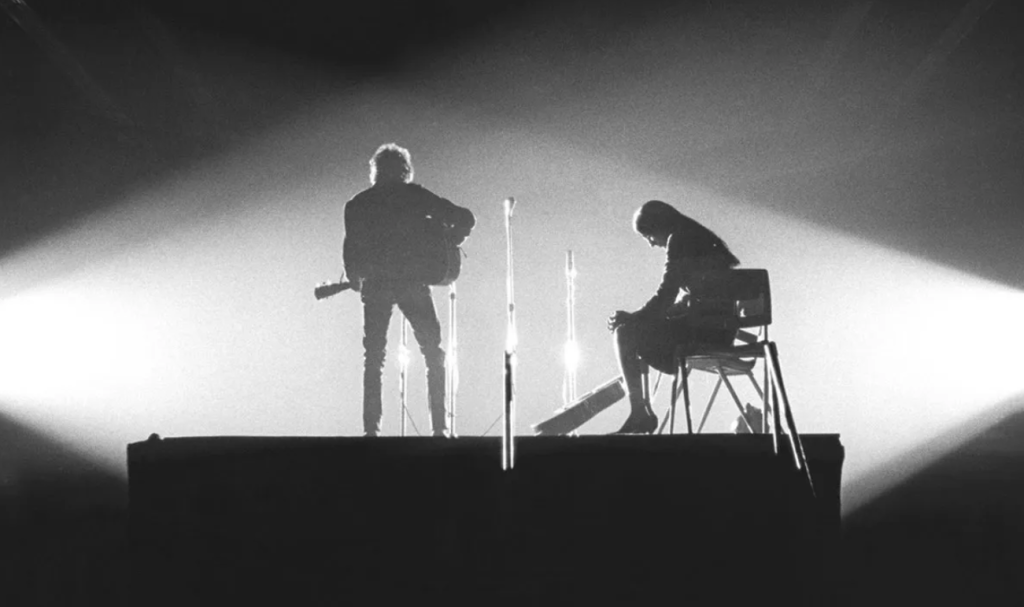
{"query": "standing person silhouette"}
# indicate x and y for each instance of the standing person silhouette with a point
(648, 337)
(393, 251)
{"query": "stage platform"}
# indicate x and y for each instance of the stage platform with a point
(622, 519)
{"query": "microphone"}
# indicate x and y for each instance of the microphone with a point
(510, 203)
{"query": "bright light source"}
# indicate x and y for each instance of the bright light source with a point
(76, 344)
(572, 356)
(70, 358)
(890, 352)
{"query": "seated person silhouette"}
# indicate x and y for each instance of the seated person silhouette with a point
(649, 336)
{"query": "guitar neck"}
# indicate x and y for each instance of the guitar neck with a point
(325, 290)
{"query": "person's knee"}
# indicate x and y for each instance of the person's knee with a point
(627, 336)
(430, 343)
(374, 355)
(433, 355)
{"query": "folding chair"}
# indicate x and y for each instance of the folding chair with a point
(740, 301)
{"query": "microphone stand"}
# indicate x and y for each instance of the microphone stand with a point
(452, 369)
(571, 350)
(403, 368)
(507, 446)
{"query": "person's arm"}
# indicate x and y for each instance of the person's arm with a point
(459, 221)
(674, 278)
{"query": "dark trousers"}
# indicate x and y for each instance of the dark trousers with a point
(415, 303)
(647, 343)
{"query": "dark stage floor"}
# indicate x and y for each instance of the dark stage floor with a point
(577, 519)
(240, 518)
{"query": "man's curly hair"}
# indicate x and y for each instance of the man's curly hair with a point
(391, 162)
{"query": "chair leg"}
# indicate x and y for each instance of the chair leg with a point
(764, 400)
(794, 436)
(661, 427)
(753, 382)
(645, 385)
(771, 400)
(686, 397)
(768, 414)
(735, 399)
(707, 410)
(654, 392)
(675, 396)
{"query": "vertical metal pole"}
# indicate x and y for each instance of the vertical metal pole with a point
(799, 457)
(776, 417)
(765, 396)
(452, 368)
(403, 369)
(572, 353)
(766, 400)
(508, 430)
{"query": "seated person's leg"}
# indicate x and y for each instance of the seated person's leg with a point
(627, 349)
(659, 340)
(632, 340)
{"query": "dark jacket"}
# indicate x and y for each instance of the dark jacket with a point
(396, 232)
(691, 251)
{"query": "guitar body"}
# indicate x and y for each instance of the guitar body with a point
(436, 259)
(452, 264)
(423, 252)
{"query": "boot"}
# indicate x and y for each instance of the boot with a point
(643, 422)
(642, 419)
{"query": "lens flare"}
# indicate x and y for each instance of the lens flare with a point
(572, 356)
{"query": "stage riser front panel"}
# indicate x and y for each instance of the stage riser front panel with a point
(403, 518)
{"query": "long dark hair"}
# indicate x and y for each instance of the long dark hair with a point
(654, 217)
(657, 217)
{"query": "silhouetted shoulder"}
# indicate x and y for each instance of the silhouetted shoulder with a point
(691, 239)
(419, 187)
(422, 192)
(360, 199)
(457, 219)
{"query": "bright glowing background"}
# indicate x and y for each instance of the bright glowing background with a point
(187, 308)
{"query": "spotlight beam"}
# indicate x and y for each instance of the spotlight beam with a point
(942, 49)
(25, 17)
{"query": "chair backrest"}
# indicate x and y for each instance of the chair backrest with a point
(744, 295)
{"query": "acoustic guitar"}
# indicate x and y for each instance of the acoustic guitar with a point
(445, 261)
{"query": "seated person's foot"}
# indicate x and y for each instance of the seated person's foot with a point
(645, 422)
